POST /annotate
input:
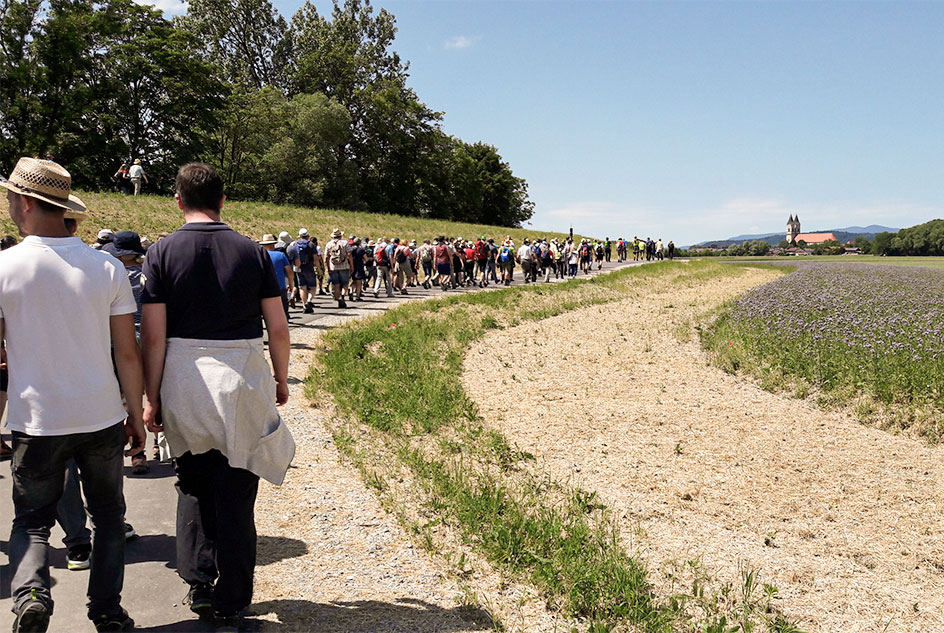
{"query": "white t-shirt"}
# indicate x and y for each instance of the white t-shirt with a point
(56, 297)
(524, 252)
(136, 171)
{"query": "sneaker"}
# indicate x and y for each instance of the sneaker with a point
(118, 621)
(156, 452)
(32, 617)
(139, 465)
(309, 309)
(129, 531)
(376, 294)
(200, 599)
(402, 291)
(77, 558)
(341, 303)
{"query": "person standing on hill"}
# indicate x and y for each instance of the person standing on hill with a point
(207, 293)
(136, 174)
(66, 331)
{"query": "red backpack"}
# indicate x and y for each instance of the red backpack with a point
(380, 254)
(481, 250)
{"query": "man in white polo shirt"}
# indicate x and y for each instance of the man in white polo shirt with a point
(61, 306)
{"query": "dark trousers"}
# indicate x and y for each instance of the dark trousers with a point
(39, 467)
(216, 529)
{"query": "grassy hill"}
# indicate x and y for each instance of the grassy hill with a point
(152, 215)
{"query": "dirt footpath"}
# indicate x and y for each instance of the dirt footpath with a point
(700, 465)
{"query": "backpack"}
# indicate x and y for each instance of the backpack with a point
(301, 247)
(400, 254)
(335, 253)
(481, 249)
(380, 254)
(547, 256)
(585, 250)
(505, 255)
(600, 250)
(427, 253)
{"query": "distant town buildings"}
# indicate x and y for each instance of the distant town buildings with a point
(794, 236)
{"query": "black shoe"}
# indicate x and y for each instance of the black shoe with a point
(309, 309)
(200, 599)
(234, 624)
(32, 617)
(129, 531)
(78, 557)
(341, 303)
(118, 621)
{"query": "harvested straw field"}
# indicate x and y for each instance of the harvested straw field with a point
(711, 475)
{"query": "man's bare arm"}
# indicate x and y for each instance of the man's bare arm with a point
(130, 376)
(279, 345)
(153, 346)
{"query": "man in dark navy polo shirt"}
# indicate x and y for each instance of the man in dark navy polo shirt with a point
(207, 291)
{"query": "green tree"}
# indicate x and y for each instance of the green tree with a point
(863, 244)
(247, 39)
(759, 248)
(19, 77)
(882, 244)
(485, 190)
(385, 163)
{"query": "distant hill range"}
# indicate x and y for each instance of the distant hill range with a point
(843, 235)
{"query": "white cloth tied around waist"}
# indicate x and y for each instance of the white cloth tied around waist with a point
(221, 395)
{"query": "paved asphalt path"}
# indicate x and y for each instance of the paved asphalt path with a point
(153, 591)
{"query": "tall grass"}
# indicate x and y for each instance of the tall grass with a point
(152, 215)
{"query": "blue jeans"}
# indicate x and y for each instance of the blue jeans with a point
(39, 466)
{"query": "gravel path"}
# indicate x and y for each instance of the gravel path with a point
(331, 558)
(702, 466)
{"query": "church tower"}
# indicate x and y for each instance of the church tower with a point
(793, 228)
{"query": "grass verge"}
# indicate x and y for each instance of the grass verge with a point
(395, 380)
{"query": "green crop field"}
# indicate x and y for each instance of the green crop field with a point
(922, 262)
(152, 215)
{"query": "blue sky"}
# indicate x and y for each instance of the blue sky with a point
(692, 120)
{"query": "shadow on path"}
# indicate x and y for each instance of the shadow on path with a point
(272, 549)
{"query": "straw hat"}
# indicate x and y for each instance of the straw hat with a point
(336, 233)
(268, 238)
(46, 181)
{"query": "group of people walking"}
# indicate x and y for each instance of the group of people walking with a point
(349, 266)
(87, 380)
(644, 250)
(109, 341)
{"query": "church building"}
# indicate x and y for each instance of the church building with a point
(794, 235)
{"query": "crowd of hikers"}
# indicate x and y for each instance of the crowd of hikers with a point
(110, 342)
(349, 266)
